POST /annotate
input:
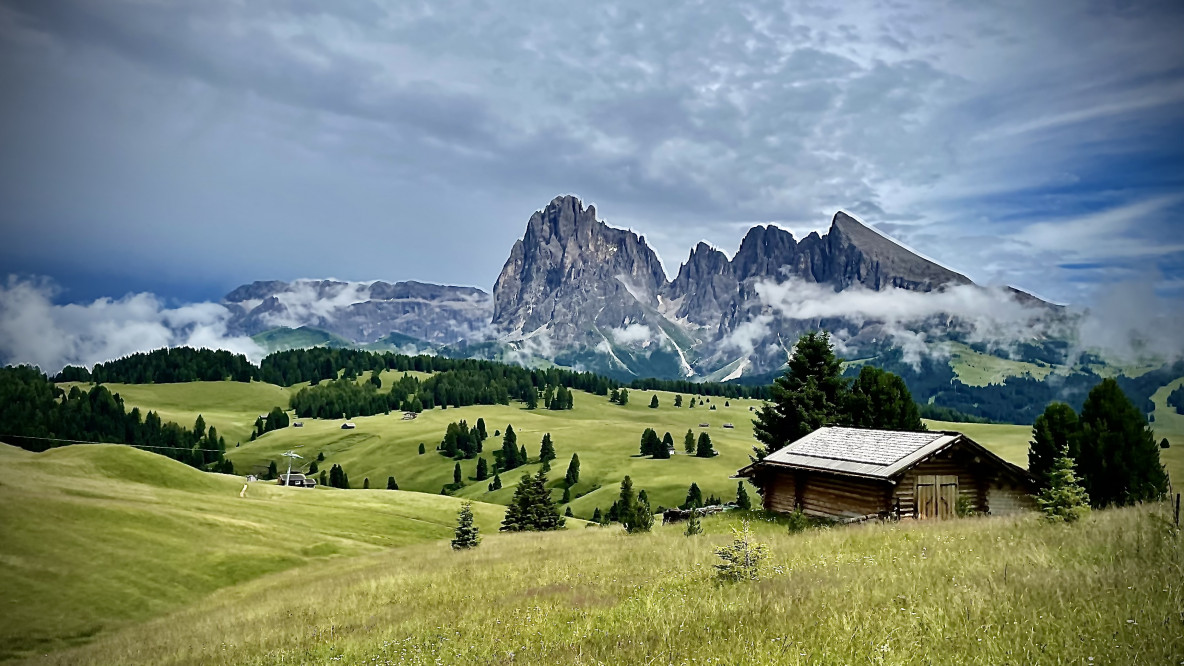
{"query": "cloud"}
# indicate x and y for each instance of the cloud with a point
(34, 330)
(633, 334)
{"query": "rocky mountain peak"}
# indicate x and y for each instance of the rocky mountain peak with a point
(859, 254)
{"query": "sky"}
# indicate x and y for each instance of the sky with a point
(180, 148)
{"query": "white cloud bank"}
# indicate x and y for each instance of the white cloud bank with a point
(36, 331)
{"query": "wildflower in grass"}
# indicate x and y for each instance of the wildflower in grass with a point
(742, 560)
(466, 532)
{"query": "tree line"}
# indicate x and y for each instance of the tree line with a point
(37, 415)
(169, 365)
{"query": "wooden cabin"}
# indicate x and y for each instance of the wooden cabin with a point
(851, 474)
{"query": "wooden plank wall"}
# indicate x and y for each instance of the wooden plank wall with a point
(827, 495)
(973, 479)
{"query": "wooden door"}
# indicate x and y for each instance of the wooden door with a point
(936, 496)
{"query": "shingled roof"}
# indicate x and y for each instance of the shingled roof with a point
(860, 452)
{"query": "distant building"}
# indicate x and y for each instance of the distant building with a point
(704, 425)
(729, 425)
(348, 425)
(296, 479)
(409, 416)
(298, 424)
(852, 474)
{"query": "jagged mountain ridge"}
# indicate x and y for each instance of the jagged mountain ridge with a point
(578, 292)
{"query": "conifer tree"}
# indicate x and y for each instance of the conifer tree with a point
(615, 396)
(635, 514)
(466, 535)
(694, 526)
(596, 516)
(688, 442)
(482, 469)
(694, 497)
(1055, 431)
(803, 399)
(481, 428)
(704, 449)
(573, 471)
(391, 484)
(654, 402)
(1119, 460)
(522, 457)
(531, 508)
(496, 484)
(324, 479)
(321, 456)
(678, 400)
(547, 449)
(272, 471)
(510, 450)
(742, 501)
(1063, 498)
(422, 449)
(623, 397)
(532, 399)
(566, 494)
(567, 512)
(667, 443)
(456, 474)
(366, 483)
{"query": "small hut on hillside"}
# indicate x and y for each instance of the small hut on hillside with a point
(851, 474)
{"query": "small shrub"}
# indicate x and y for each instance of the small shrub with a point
(694, 524)
(1064, 500)
(797, 521)
(742, 560)
(964, 507)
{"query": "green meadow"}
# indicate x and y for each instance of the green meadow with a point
(98, 536)
(974, 591)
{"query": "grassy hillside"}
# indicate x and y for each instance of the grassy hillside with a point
(1170, 424)
(606, 437)
(989, 591)
(94, 536)
(975, 368)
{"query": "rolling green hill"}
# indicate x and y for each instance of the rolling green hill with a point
(284, 338)
(95, 537)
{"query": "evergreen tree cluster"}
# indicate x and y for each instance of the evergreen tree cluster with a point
(531, 509)
(652, 445)
(460, 442)
(32, 407)
(1109, 443)
(166, 366)
(511, 455)
(274, 420)
(723, 390)
(812, 393)
(619, 396)
(573, 471)
(557, 398)
(1176, 399)
(631, 510)
(338, 477)
(347, 398)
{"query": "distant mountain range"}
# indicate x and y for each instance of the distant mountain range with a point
(578, 292)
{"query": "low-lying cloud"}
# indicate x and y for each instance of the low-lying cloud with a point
(36, 331)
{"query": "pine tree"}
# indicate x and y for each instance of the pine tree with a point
(566, 494)
(422, 448)
(694, 497)
(496, 484)
(667, 443)
(678, 400)
(324, 479)
(704, 449)
(366, 483)
(510, 450)
(742, 560)
(803, 399)
(615, 396)
(391, 484)
(1063, 498)
(546, 449)
(1119, 459)
(567, 512)
(596, 516)
(481, 428)
(531, 508)
(654, 402)
(522, 457)
(688, 442)
(742, 501)
(532, 399)
(879, 399)
(312, 468)
(623, 397)
(321, 456)
(1055, 431)
(694, 526)
(635, 515)
(456, 474)
(482, 469)
(466, 535)
(272, 471)
(573, 471)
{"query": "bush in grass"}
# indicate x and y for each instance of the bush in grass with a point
(466, 532)
(797, 521)
(1063, 499)
(743, 559)
(694, 524)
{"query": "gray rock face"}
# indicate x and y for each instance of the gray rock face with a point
(576, 276)
(363, 312)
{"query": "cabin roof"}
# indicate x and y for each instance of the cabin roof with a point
(869, 453)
